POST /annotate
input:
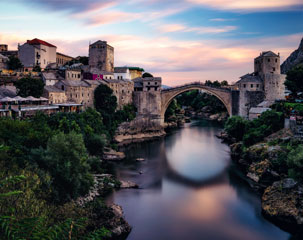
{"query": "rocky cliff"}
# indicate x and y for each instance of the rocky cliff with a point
(295, 59)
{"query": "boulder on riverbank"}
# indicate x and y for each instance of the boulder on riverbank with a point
(112, 155)
(282, 203)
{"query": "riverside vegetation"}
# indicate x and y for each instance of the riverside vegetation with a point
(272, 158)
(48, 162)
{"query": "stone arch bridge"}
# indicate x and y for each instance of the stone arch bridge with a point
(227, 96)
(152, 105)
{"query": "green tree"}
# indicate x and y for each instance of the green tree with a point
(294, 80)
(295, 162)
(37, 68)
(235, 127)
(105, 103)
(66, 161)
(146, 74)
(14, 63)
(30, 87)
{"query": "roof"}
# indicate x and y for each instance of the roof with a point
(64, 55)
(136, 68)
(50, 76)
(141, 79)
(93, 82)
(267, 54)
(100, 42)
(250, 78)
(37, 41)
(2, 56)
(74, 83)
(52, 89)
(258, 110)
(138, 85)
(121, 69)
(98, 71)
(7, 92)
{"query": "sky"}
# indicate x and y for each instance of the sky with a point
(178, 40)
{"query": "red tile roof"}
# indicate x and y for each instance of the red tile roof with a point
(37, 41)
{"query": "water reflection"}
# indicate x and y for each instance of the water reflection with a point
(190, 191)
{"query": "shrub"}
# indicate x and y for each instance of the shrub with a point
(235, 127)
(295, 163)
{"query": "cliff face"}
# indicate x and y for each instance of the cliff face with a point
(296, 58)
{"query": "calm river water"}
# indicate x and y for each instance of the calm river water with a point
(189, 190)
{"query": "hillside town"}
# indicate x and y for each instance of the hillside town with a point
(69, 83)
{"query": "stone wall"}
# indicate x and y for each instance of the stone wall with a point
(249, 99)
(274, 86)
(148, 102)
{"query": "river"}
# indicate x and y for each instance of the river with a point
(189, 190)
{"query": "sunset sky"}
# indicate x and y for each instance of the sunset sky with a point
(179, 40)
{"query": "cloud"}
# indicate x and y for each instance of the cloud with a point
(167, 28)
(179, 61)
(221, 19)
(249, 5)
(74, 6)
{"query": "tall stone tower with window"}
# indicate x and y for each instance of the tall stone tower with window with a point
(101, 56)
(267, 66)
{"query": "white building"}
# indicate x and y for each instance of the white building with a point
(36, 53)
(3, 62)
(122, 73)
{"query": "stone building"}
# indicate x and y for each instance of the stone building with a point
(73, 74)
(3, 62)
(123, 90)
(3, 47)
(135, 72)
(266, 83)
(147, 95)
(36, 52)
(51, 77)
(267, 66)
(54, 95)
(62, 59)
(101, 56)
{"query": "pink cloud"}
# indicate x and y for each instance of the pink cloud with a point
(248, 5)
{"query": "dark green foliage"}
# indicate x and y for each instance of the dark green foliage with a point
(295, 162)
(30, 87)
(256, 130)
(66, 160)
(105, 103)
(171, 111)
(294, 80)
(215, 83)
(127, 114)
(95, 144)
(37, 68)
(146, 75)
(235, 127)
(14, 63)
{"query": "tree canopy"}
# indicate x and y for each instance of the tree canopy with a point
(30, 87)
(294, 80)
(14, 63)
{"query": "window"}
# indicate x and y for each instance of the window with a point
(251, 85)
(276, 60)
(274, 69)
(268, 60)
(78, 75)
(148, 83)
(257, 85)
(156, 83)
(244, 85)
(62, 87)
(71, 95)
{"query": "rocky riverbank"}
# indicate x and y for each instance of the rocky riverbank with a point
(281, 196)
(138, 130)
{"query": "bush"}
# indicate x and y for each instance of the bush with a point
(235, 127)
(95, 144)
(295, 163)
(66, 160)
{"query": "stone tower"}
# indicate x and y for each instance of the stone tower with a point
(101, 56)
(267, 66)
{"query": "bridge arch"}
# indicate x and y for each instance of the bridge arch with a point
(223, 94)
